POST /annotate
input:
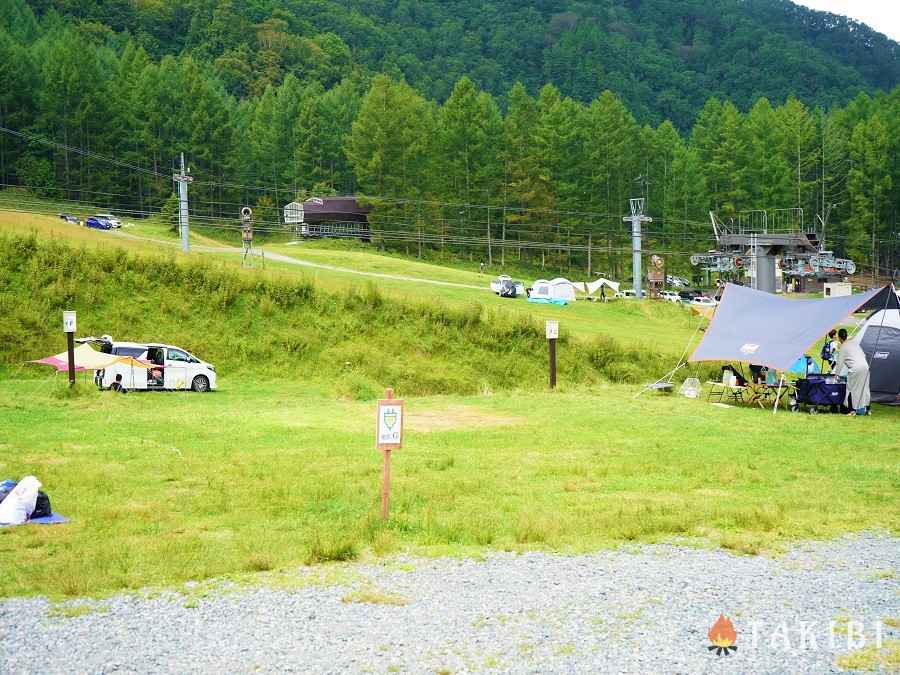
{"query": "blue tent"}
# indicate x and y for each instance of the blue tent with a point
(769, 330)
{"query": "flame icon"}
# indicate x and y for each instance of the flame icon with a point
(722, 635)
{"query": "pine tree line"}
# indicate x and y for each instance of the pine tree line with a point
(541, 162)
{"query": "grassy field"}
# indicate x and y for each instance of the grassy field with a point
(165, 488)
(277, 469)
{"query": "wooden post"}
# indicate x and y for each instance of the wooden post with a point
(386, 472)
(386, 485)
(490, 252)
(388, 436)
(503, 248)
(70, 343)
(552, 328)
(552, 343)
(69, 329)
(589, 256)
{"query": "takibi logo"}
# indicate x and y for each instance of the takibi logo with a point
(722, 636)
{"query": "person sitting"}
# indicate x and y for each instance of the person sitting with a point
(117, 385)
(852, 357)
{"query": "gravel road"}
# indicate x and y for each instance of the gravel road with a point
(644, 609)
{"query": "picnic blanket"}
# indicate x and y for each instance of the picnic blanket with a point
(53, 519)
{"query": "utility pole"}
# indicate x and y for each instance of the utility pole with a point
(490, 252)
(589, 256)
(183, 179)
(636, 218)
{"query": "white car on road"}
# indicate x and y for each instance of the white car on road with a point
(703, 301)
(670, 296)
(115, 222)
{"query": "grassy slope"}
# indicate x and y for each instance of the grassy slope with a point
(163, 488)
(657, 326)
(265, 325)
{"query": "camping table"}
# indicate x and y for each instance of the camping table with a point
(735, 392)
(764, 395)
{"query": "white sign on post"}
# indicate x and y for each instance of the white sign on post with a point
(68, 322)
(552, 330)
(390, 424)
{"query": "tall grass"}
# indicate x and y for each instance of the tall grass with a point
(358, 340)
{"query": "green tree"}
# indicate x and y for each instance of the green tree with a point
(388, 143)
(768, 176)
(797, 130)
(18, 93)
(467, 146)
(869, 185)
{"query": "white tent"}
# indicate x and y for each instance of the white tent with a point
(557, 291)
(563, 289)
(594, 286)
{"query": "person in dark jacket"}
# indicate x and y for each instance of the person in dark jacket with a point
(117, 385)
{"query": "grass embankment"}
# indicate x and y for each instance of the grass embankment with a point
(164, 488)
(656, 326)
(287, 327)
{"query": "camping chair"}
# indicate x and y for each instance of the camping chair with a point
(726, 387)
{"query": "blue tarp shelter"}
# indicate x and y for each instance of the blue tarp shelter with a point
(752, 326)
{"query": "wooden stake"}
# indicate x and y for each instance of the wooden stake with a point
(386, 485)
(70, 343)
(552, 345)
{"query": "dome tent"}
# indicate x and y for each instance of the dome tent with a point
(879, 338)
(557, 291)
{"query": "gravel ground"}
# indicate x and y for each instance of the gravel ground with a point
(646, 609)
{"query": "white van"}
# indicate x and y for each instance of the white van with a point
(176, 368)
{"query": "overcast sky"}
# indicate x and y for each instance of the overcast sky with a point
(882, 15)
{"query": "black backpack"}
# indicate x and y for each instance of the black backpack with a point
(41, 506)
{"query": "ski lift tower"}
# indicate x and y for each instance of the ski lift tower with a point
(636, 218)
(762, 236)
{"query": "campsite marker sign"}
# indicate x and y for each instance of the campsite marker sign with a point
(388, 436)
(552, 328)
(69, 330)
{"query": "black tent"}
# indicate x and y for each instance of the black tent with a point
(879, 338)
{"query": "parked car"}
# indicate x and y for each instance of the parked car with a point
(69, 218)
(669, 296)
(704, 301)
(98, 223)
(688, 295)
(626, 293)
(502, 283)
(176, 368)
(676, 281)
(111, 219)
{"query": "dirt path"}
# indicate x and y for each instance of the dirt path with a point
(280, 257)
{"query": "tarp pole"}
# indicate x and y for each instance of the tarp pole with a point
(778, 395)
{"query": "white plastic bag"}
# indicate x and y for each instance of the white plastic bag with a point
(19, 504)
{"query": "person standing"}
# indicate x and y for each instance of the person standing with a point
(829, 351)
(852, 357)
